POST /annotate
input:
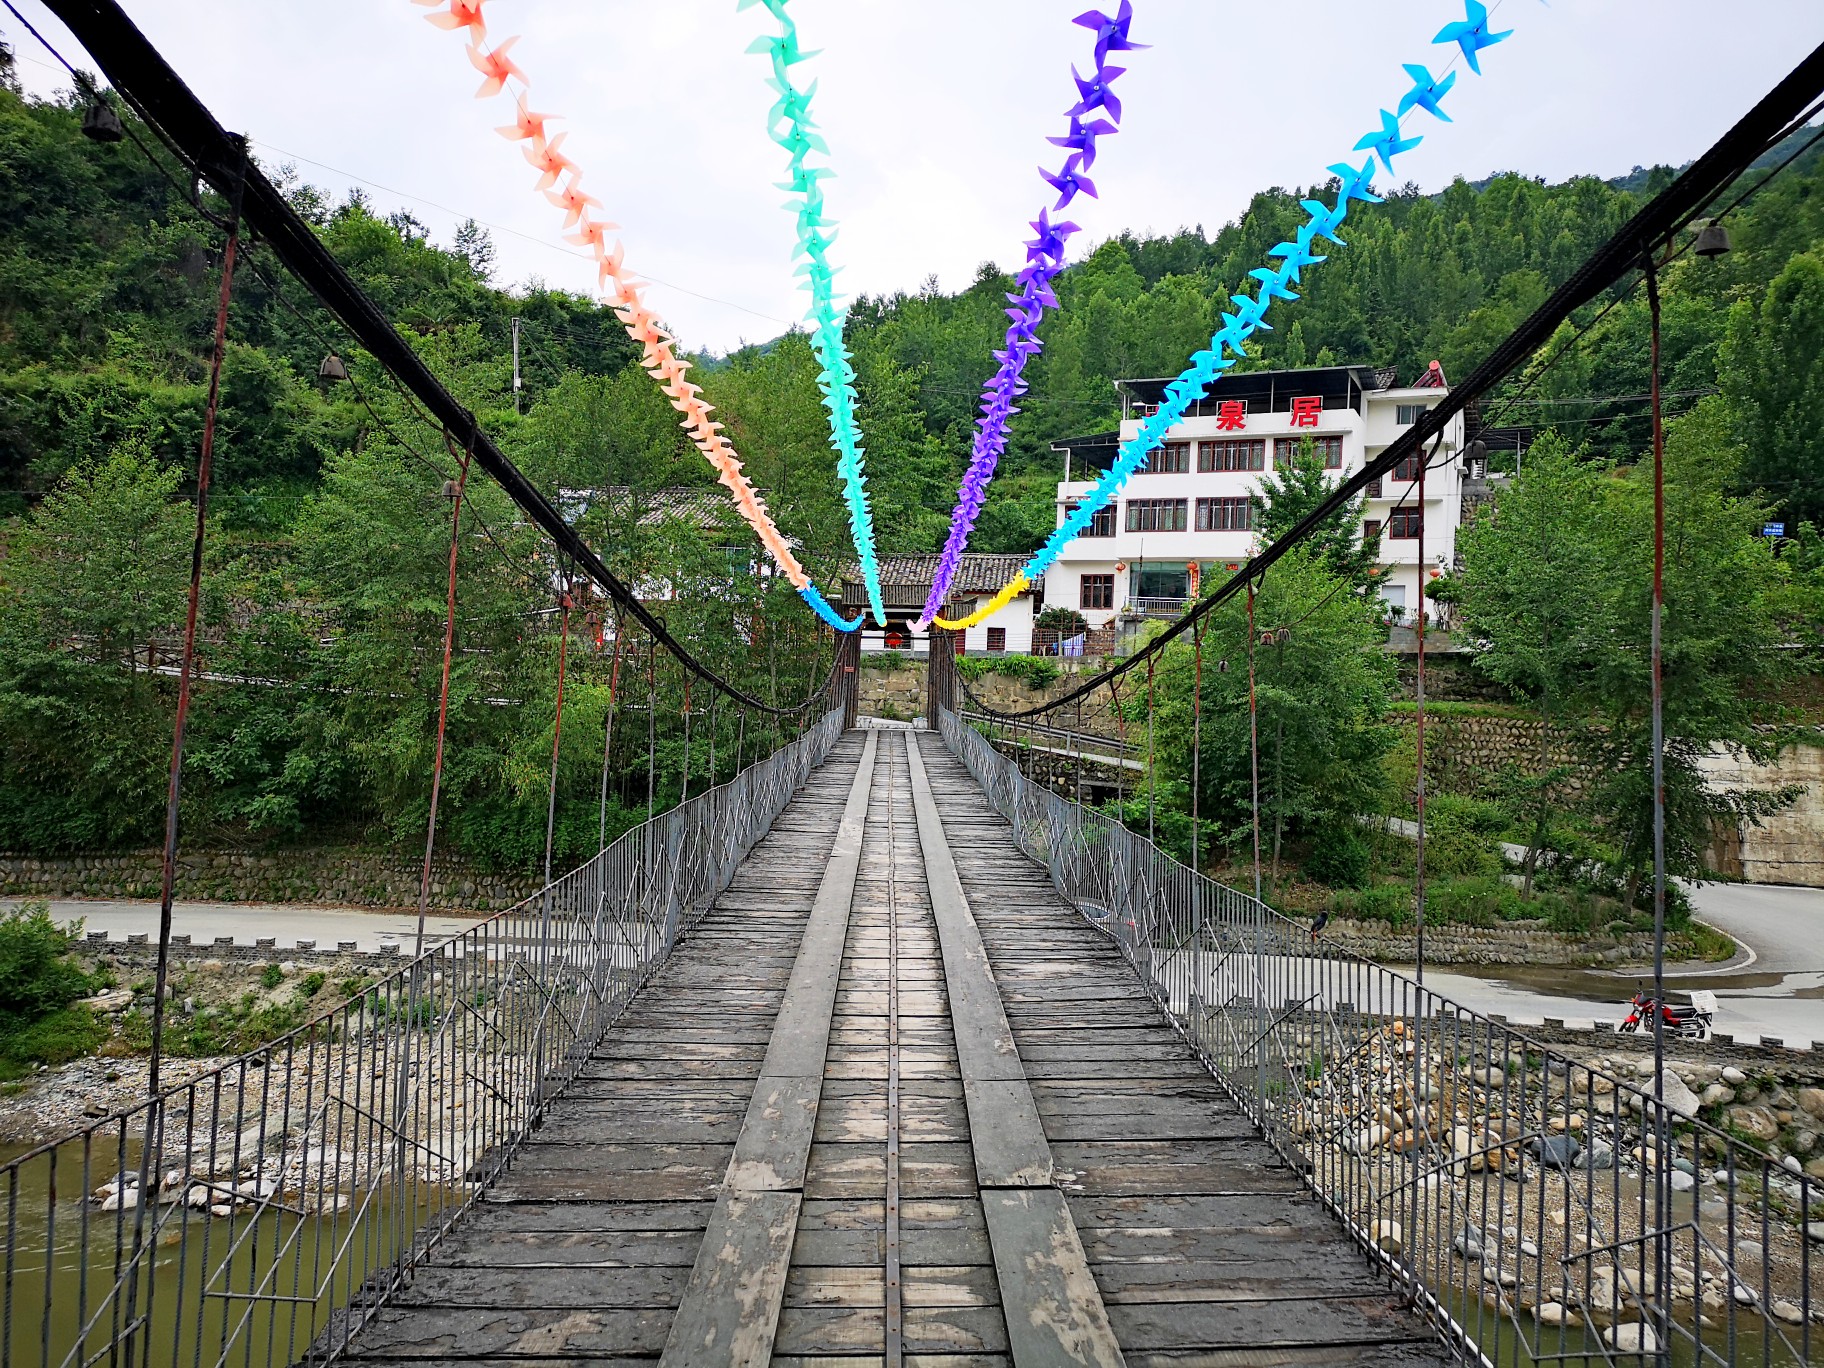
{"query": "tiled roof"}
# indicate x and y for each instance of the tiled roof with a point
(907, 579)
(704, 506)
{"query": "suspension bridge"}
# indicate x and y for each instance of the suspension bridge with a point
(883, 1052)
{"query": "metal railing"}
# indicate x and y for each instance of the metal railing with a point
(290, 1191)
(1535, 1208)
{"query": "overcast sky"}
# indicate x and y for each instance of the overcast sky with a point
(936, 112)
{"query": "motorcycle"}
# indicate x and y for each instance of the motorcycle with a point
(1692, 1021)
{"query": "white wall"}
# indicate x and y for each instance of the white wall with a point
(1364, 435)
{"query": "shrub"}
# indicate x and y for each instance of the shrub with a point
(1340, 856)
(1037, 672)
(884, 660)
(271, 976)
(37, 975)
(1460, 837)
(1391, 903)
(1473, 902)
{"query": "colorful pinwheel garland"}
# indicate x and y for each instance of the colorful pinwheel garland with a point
(1044, 259)
(561, 181)
(789, 124)
(1471, 36)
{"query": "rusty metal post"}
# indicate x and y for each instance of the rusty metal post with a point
(557, 728)
(154, 1136)
(1254, 740)
(614, 680)
(443, 700)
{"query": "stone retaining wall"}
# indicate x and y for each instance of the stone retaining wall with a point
(355, 878)
(1509, 944)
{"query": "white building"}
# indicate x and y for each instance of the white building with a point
(905, 581)
(1189, 515)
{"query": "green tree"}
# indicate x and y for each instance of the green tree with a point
(1723, 642)
(1529, 572)
(94, 579)
(1771, 367)
(1322, 695)
(1291, 493)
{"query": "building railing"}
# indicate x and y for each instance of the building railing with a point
(1535, 1208)
(263, 1210)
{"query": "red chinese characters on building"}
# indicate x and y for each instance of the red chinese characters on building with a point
(1231, 415)
(1307, 410)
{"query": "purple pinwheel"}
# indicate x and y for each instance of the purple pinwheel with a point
(1051, 237)
(1111, 34)
(1096, 92)
(1082, 139)
(1025, 311)
(1069, 183)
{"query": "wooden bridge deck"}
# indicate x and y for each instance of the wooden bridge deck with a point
(894, 1102)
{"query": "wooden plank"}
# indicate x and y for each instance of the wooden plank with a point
(1053, 1310)
(729, 1314)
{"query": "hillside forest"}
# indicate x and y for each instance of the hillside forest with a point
(329, 532)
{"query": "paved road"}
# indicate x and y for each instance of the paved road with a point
(288, 923)
(1783, 926)
(1776, 989)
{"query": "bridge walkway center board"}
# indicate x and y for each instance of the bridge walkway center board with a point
(881, 1220)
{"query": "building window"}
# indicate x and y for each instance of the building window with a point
(1408, 469)
(1155, 515)
(1101, 522)
(1096, 591)
(1404, 524)
(1225, 515)
(997, 638)
(1408, 414)
(1174, 458)
(1330, 448)
(1162, 582)
(1374, 488)
(1212, 456)
(1371, 532)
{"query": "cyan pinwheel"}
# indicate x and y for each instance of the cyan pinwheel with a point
(790, 125)
(1323, 221)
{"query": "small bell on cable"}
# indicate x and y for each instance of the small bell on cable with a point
(449, 489)
(1712, 240)
(332, 368)
(99, 121)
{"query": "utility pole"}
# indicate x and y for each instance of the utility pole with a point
(516, 381)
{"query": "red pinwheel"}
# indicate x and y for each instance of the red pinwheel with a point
(593, 234)
(528, 127)
(572, 200)
(462, 14)
(496, 67)
(548, 159)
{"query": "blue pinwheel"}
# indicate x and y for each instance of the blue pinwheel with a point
(1272, 285)
(1354, 184)
(1111, 34)
(1387, 143)
(1472, 33)
(1324, 219)
(1426, 91)
(1297, 254)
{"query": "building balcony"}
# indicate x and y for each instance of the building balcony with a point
(1153, 607)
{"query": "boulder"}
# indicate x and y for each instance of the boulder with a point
(1758, 1123)
(1556, 1151)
